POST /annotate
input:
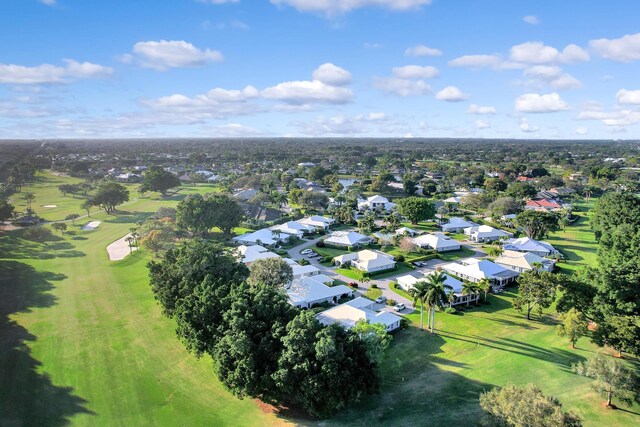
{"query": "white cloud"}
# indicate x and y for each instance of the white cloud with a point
(304, 92)
(581, 131)
(415, 72)
(341, 125)
(336, 7)
(164, 54)
(422, 50)
(616, 118)
(624, 49)
(477, 61)
(451, 94)
(574, 53)
(482, 124)
(539, 53)
(550, 75)
(479, 109)
(332, 75)
(46, 73)
(536, 103)
(402, 87)
(525, 126)
(531, 19)
(625, 96)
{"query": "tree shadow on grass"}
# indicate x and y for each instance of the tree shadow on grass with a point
(17, 245)
(27, 396)
(415, 389)
(124, 217)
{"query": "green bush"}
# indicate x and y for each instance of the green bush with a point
(303, 261)
(327, 259)
(450, 310)
(399, 258)
(374, 286)
(391, 302)
(320, 244)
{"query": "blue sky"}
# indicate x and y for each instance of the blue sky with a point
(396, 68)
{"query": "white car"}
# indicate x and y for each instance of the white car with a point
(305, 251)
(399, 307)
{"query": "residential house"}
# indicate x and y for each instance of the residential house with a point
(376, 202)
(457, 225)
(245, 194)
(475, 270)
(358, 309)
(250, 254)
(347, 239)
(264, 236)
(367, 260)
(293, 228)
(437, 241)
(546, 205)
(524, 261)
(300, 271)
(317, 221)
(526, 244)
(309, 291)
(406, 231)
(485, 233)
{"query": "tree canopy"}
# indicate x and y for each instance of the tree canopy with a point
(158, 179)
(109, 195)
(537, 224)
(416, 209)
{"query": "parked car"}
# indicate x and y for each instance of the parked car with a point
(306, 251)
(381, 299)
(312, 255)
(399, 307)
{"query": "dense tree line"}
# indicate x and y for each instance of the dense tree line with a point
(263, 347)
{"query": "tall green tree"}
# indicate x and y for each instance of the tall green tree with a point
(375, 337)
(611, 377)
(324, 369)
(536, 290)
(573, 326)
(158, 179)
(537, 224)
(419, 293)
(274, 272)
(109, 195)
(246, 357)
(525, 406)
(185, 267)
(416, 209)
(6, 210)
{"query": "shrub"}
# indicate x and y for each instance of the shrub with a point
(450, 310)
(353, 284)
(374, 286)
(399, 258)
(320, 244)
(391, 302)
(327, 259)
(303, 261)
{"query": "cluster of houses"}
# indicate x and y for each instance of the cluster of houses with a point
(309, 286)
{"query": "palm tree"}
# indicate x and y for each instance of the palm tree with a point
(451, 297)
(129, 240)
(419, 292)
(485, 286)
(364, 279)
(469, 288)
(436, 294)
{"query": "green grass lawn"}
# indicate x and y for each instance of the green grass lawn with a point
(373, 293)
(454, 255)
(577, 243)
(83, 343)
(329, 252)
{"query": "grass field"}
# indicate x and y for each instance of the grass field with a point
(82, 342)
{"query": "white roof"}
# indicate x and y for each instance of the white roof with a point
(347, 238)
(521, 259)
(264, 235)
(525, 244)
(303, 270)
(457, 222)
(348, 316)
(311, 289)
(368, 259)
(377, 199)
(253, 253)
(293, 227)
(485, 231)
(406, 230)
(408, 281)
(452, 200)
(478, 269)
(317, 221)
(360, 302)
(436, 241)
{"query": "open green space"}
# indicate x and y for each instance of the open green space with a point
(82, 342)
(463, 252)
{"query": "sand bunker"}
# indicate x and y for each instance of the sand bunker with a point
(91, 225)
(119, 249)
(49, 206)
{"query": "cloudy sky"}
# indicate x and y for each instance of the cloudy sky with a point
(424, 68)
